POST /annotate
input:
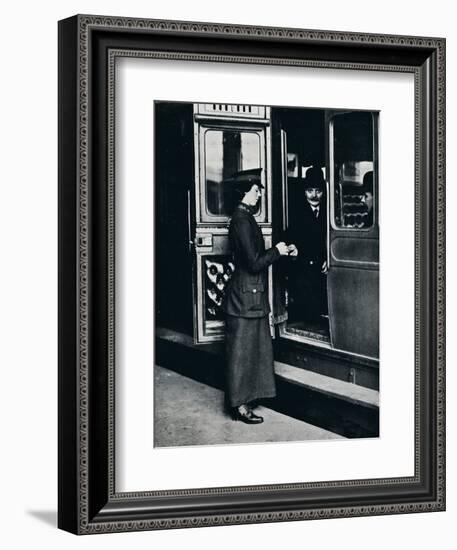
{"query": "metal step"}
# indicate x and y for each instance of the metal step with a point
(326, 385)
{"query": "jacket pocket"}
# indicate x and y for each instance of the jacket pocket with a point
(253, 296)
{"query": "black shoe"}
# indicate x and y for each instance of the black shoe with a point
(245, 414)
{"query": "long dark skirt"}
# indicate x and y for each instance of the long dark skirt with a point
(250, 372)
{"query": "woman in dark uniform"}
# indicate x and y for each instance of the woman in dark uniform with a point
(250, 374)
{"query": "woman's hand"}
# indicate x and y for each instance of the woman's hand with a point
(283, 248)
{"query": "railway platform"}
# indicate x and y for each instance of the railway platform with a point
(188, 412)
(335, 406)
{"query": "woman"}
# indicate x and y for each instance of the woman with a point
(250, 374)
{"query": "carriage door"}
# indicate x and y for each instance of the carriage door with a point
(228, 139)
(353, 255)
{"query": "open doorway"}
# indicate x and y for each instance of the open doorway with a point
(305, 224)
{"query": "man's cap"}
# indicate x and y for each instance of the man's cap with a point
(247, 177)
(367, 186)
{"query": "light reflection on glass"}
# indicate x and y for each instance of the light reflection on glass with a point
(227, 152)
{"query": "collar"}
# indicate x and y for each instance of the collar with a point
(246, 208)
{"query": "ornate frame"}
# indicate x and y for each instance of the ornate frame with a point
(88, 46)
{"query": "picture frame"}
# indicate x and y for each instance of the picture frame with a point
(88, 500)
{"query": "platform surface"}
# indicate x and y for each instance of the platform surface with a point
(190, 413)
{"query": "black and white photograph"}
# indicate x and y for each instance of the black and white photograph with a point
(267, 225)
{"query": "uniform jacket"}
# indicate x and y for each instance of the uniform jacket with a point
(247, 290)
(306, 284)
(309, 234)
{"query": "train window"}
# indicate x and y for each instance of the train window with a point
(353, 170)
(226, 153)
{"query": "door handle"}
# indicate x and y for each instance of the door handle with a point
(205, 241)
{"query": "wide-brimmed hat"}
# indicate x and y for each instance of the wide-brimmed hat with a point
(314, 178)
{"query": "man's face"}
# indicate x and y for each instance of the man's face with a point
(313, 195)
(368, 200)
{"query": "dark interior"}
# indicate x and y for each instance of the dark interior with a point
(174, 179)
(305, 130)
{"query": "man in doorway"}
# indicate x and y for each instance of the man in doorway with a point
(307, 270)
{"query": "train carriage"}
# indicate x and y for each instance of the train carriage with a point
(199, 151)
